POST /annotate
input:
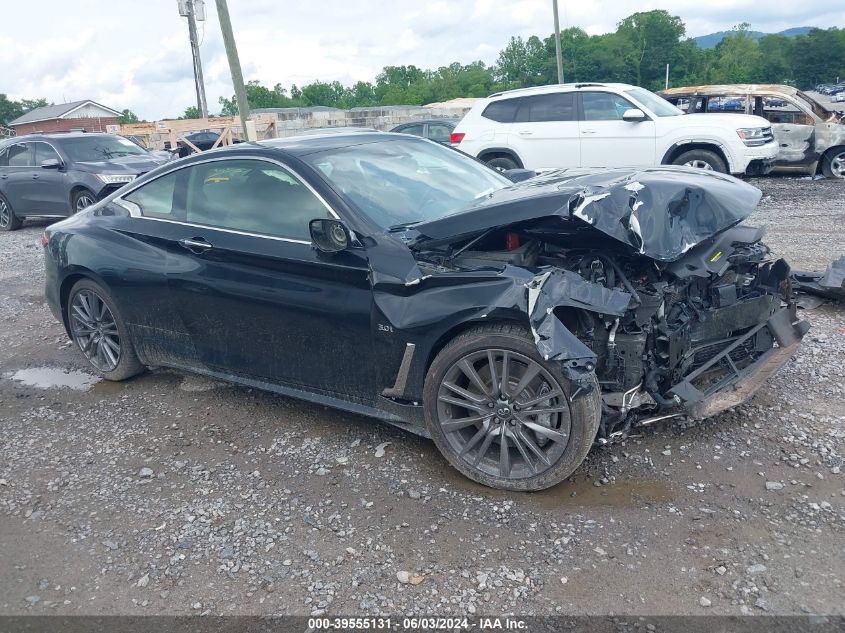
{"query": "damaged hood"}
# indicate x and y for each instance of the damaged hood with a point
(660, 212)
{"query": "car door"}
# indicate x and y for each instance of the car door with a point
(609, 141)
(545, 131)
(46, 190)
(16, 173)
(794, 129)
(255, 298)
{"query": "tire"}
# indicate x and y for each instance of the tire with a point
(81, 200)
(833, 163)
(8, 220)
(565, 434)
(502, 163)
(84, 315)
(703, 159)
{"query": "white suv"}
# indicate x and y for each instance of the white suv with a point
(609, 125)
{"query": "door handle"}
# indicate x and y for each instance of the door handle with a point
(588, 131)
(195, 244)
(35, 176)
(3, 176)
(525, 133)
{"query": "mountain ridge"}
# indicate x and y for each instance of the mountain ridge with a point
(712, 39)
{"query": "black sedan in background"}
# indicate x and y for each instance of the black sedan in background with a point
(439, 130)
(514, 324)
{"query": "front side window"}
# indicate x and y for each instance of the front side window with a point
(44, 151)
(254, 196)
(559, 106)
(604, 106)
(779, 110)
(157, 198)
(654, 104)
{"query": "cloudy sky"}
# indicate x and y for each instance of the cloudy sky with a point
(135, 54)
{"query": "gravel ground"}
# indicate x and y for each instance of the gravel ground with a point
(172, 494)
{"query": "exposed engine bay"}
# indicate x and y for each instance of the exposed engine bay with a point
(690, 325)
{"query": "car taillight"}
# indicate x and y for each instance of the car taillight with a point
(45, 239)
(456, 137)
(512, 241)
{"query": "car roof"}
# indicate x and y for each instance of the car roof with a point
(427, 121)
(312, 143)
(730, 90)
(571, 87)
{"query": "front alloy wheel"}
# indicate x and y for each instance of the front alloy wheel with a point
(502, 415)
(82, 200)
(833, 166)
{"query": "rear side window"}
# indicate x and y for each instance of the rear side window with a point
(439, 132)
(559, 106)
(503, 111)
(19, 156)
(416, 130)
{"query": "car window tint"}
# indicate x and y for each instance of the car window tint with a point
(416, 130)
(503, 111)
(558, 106)
(439, 132)
(156, 198)
(20, 155)
(604, 106)
(253, 196)
(44, 151)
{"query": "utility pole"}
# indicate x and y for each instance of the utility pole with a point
(667, 77)
(247, 124)
(188, 10)
(557, 45)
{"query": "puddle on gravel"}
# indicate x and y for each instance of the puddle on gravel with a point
(53, 378)
(619, 493)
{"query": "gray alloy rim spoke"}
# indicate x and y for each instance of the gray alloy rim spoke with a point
(516, 438)
(5, 216)
(450, 426)
(503, 384)
(461, 403)
(531, 372)
(484, 448)
(467, 395)
(534, 448)
(470, 372)
(528, 405)
(503, 413)
(555, 436)
(475, 439)
(94, 330)
(504, 454)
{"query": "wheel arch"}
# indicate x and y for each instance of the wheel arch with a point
(77, 188)
(679, 148)
(505, 152)
(68, 281)
(830, 151)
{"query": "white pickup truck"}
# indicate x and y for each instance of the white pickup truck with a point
(609, 125)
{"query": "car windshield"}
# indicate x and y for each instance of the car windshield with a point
(99, 148)
(401, 182)
(657, 105)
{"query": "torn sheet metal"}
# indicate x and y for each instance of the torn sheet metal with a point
(660, 212)
(513, 292)
(830, 284)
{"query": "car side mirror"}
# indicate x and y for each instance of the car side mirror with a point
(329, 236)
(51, 163)
(633, 115)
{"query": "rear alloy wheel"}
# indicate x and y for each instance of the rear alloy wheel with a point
(502, 416)
(502, 163)
(833, 164)
(99, 332)
(702, 159)
(82, 199)
(8, 220)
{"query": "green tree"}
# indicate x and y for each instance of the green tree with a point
(522, 62)
(652, 39)
(127, 116)
(191, 112)
(737, 57)
(819, 57)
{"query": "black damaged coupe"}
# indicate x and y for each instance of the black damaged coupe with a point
(514, 323)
